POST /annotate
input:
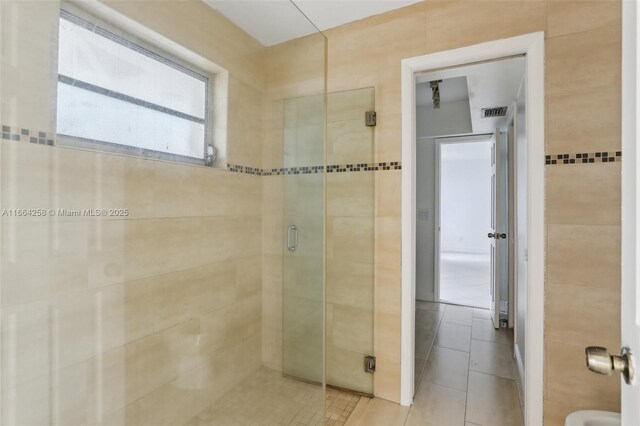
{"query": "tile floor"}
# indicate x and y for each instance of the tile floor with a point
(465, 372)
(465, 376)
(464, 279)
(267, 398)
(339, 405)
(377, 412)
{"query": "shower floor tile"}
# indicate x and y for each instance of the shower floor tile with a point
(339, 406)
(269, 399)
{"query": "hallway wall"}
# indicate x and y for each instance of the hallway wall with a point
(583, 43)
(452, 118)
(425, 230)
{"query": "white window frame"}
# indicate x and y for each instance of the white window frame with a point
(116, 35)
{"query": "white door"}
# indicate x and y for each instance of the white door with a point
(499, 251)
(494, 235)
(625, 360)
(630, 315)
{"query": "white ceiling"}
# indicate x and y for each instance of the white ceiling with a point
(275, 21)
(491, 84)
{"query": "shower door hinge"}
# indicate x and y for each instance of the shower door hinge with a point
(370, 118)
(369, 364)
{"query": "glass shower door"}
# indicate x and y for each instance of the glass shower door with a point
(303, 214)
(139, 290)
(350, 240)
(329, 240)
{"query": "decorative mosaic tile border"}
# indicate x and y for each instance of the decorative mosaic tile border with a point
(307, 170)
(584, 158)
(244, 169)
(302, 170)
(20, 134)
(25, 135)
(366, 167)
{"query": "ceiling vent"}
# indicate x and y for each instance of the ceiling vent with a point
(494, 112)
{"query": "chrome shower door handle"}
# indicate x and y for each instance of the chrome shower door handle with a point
(292, 230)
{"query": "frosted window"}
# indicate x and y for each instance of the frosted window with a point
(112, 91)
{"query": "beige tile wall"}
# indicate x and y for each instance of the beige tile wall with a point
(583, 64)
(583, 202)
(144, 319)
(162, 304)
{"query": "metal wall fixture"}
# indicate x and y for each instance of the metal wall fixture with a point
(369, 364)
(435, 93)
(370, 119)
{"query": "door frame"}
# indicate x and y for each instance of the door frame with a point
(438, 142)
(512, 201)
(532, 46)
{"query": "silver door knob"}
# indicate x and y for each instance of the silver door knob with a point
(491, 235)
(600, 361)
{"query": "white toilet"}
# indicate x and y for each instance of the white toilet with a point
(592, 418)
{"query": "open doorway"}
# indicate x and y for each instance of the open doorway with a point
(465, 185)
(463, 217)
(530, 127)
(469, 124)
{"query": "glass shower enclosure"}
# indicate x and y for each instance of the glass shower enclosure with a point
(329, 223)
(162, 256)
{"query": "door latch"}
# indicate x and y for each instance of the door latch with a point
(497, 235)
